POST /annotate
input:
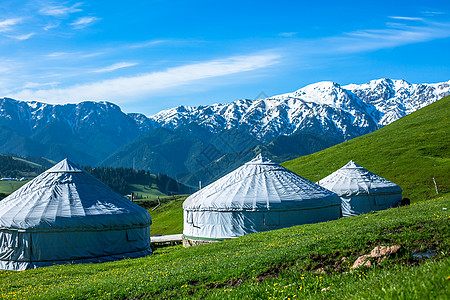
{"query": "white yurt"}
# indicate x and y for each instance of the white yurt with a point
(361, 191)
(258, 196)
(65, 215)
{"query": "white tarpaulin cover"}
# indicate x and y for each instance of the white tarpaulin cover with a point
(361, 191)
(258, 196)
(66, 215)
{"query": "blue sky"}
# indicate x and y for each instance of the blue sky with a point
(150, 55)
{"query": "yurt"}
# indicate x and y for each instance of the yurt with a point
(258, 196)
(65, 215)
(361, 191)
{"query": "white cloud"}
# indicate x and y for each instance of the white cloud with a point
(22, 37)
(375, 39)
(433, 13)
(6, 25)
(60, 54)
(406, 18)
(115, 67)
(124, 89)
(92, 54)
(51, 26)
(287, 34)
(84, 22)
(146, 44)
(32, 85)
(60, 10)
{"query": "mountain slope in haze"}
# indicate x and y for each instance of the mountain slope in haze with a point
(410, 152)
(279, 150)
(181, 152)
(160, 149)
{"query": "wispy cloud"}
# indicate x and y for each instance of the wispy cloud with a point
(60, 10)
(7, 24)
(433, 13)
(146, 44)
(60, 54)
(375, 39)
(123, 88)
(114, 67)
(32, 85)
(406, 18)
(22, 37)
(51, 26)
(287, 34)
(84, 22)
(87, 55)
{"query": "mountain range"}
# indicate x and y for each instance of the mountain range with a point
(203, 142)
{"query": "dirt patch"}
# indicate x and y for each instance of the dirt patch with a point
(230, 283)
(273, 271)
(327, 263)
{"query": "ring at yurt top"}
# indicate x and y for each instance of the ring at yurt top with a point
(260, 185)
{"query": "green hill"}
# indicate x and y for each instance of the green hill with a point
(410, 152)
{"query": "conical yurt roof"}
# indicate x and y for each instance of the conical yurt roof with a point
(352, 179)
(65, 197)
(260, 184)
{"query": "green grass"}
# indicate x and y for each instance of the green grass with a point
(28, 162)
(7, 187)
(168, 218)
(145, 191)
(409, 152)
(277, 264)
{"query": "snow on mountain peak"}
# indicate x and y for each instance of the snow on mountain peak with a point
(347, 111)
(326, 107)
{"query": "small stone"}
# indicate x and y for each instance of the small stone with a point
(380, 251)
(360, 261)
(321, 271)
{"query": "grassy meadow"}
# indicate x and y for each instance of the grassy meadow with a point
(166, 218)
(7, 187)
(309, 261)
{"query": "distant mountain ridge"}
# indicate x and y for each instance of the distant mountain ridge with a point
(184, 140)
(347, 111)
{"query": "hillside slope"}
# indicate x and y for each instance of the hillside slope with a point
(410, 152)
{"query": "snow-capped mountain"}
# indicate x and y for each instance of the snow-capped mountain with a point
(89, 132)
(345, 111)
